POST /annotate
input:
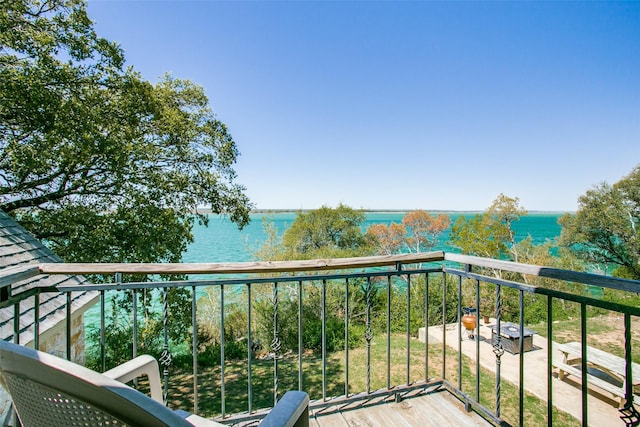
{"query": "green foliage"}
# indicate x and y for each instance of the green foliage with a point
(97, 162)
(474, 237)
(119, 330)
(418, 232)
(489, 234)
(398, 322)
(320, 233)
(606, 228)
(535, 306)
(272, 248)
(287, 317)
(424, 229)
(326, 233)
(209, 326)
(118, 334)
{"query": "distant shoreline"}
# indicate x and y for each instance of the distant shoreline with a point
(391, 211)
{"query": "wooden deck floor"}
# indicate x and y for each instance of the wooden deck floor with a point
(439, 409)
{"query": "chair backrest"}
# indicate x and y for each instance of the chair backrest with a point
(49, 391)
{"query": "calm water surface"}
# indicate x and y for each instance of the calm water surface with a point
(223, 242)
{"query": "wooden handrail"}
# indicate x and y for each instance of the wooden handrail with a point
(240, 267)
(14, 274)
(550, 272)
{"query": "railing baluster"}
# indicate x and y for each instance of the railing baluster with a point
(426, 326)
(36, 324)
(68, 325)
(389, 290)
(583, 363)
(629, 412)
(134, 293)
(165, 358)
(497, 346)
(478, 341)
(249, 352)
(222, 361)
(276, 345)
(627, 358)
(459, 332)
(549, 361)
(194, 347)
(346, 338)
(16, 323)
(324, 340)
(118, 282)
(521, 355)
(103, 358)
(444, 325)
(408, 326)
(368, 336)
(300, 343)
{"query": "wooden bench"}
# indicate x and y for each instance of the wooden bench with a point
(605, 362)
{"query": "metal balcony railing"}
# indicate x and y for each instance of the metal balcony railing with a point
(382, 300)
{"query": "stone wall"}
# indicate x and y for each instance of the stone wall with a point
(54, 340)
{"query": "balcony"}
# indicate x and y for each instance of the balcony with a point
(403, 356)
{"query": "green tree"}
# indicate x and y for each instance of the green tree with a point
(387, 239)
(547, 254)
(606, 227)
(418, 232)
(424, 229)
(320, 233)
(326, 232)
(490, 234)
(97, 162)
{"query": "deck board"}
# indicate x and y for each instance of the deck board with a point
(438, 409)
(331, 420)
(376, 416)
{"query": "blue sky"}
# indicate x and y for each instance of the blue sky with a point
(404, 105)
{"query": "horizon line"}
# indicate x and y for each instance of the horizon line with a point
(291, 210)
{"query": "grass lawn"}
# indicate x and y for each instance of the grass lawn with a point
(236, 393)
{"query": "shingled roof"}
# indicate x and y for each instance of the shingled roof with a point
(19, 248)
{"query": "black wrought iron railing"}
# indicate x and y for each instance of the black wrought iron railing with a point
(344, 330)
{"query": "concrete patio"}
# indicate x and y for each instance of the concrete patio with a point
(602, 407)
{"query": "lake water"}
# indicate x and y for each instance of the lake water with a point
(223, 242)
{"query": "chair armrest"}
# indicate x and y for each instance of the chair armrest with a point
(291, 410)
(140, 366)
